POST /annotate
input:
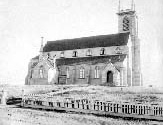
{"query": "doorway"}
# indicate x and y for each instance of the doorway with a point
(110, 77)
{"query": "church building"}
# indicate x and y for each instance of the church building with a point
(110, 60)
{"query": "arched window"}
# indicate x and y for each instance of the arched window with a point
(102, 51)
(75, 54)
(41, 73)
(81, 72)
(126, 23)
(67, 73)
(62, 54)
(96, 72)
(89, 52)
(31, 74)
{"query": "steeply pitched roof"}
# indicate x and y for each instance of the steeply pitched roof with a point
(92, 60)
(87, 42)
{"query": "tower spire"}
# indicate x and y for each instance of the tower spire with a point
(133, 5)
(119, 6)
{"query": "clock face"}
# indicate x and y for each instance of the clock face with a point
(126, 24)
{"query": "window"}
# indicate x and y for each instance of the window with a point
(102, 51)
(89, 52)
(81, 72)
(31, 74)
(118, 50)
(62, 54)
(96, 72)
(67, 72)
(126, 24)
(75, 54)
(41, 73)
(51, 104)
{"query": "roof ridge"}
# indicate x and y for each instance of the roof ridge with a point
(76, 38)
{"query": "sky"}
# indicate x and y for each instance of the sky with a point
(24, 22)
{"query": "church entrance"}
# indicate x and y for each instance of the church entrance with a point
(110, 78)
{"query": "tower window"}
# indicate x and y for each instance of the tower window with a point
(81, 73)
(96, 72)
(62, 54)
(102, 51)
(67, 72)
(126, 23)
(75, 54)
(89, 52)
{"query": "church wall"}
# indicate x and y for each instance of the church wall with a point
(89, 73)
(97, 81)
(73, 73)
(36, 81)
(36, 72)
(74, 69)
(82, 52)
(34, 78)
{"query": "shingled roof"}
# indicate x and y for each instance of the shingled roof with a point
(92, 59)
(87, 42)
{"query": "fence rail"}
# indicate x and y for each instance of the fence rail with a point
(154, 112)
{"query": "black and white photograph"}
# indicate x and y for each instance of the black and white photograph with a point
(81, 62)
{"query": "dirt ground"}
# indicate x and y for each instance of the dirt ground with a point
(16, 116)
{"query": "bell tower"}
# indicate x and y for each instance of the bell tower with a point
(128, 22)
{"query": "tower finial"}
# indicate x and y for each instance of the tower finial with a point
(42, 38)
(119, 6)
(133, 5)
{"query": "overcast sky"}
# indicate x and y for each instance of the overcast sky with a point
(24, 22)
